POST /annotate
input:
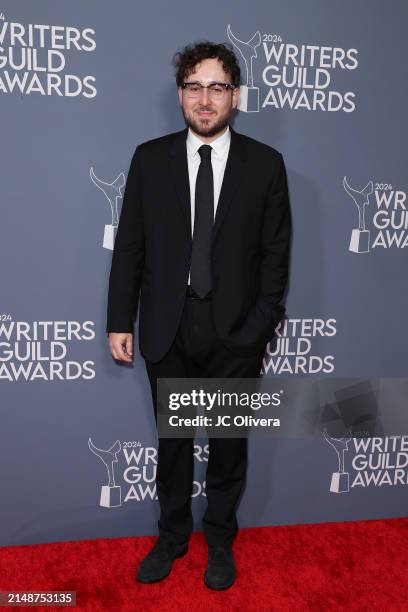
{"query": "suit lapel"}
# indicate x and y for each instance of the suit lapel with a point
(233, 176)
(179, 171)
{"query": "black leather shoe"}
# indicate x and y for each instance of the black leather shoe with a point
(157, 563)
(220, 573)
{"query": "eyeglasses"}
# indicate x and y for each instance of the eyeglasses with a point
(215, 90)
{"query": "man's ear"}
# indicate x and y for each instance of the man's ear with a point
(180, 95)
(235, 97)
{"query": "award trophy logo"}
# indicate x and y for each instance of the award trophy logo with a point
(112, 192)
(360, 237)
(340, 480)
(110, 494)
(249, 95)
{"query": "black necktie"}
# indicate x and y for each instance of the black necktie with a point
(200, 273)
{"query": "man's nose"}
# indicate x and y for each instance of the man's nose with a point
(205, 95)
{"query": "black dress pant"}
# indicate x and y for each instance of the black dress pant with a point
(197, 352)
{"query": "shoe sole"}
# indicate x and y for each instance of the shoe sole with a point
(147, 581)
(221, 587)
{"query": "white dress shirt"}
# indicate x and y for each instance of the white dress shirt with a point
(219, 156)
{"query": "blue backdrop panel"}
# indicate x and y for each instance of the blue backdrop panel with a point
(81, 84)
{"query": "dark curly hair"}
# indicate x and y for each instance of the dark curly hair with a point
(186, 59)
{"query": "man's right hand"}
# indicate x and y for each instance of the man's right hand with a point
(121, 346)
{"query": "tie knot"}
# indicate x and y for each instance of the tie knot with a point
(205, 151)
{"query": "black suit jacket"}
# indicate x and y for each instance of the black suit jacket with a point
(250, 246)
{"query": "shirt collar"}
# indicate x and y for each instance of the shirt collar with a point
(220, 145)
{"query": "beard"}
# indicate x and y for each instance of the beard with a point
(202, 127)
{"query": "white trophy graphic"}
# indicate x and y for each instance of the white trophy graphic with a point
(340, 480)
(360, 237)
(110, 493)
(249, 95)
(112, 192)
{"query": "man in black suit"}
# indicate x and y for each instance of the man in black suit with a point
(204, 236)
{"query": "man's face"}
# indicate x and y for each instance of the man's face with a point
(206, 116)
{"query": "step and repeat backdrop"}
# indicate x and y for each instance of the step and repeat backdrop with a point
(81, 85)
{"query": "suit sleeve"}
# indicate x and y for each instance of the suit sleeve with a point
(266, 312)
(128, 255)
(275, 246)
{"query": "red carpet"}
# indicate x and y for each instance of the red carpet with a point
(333, 566)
